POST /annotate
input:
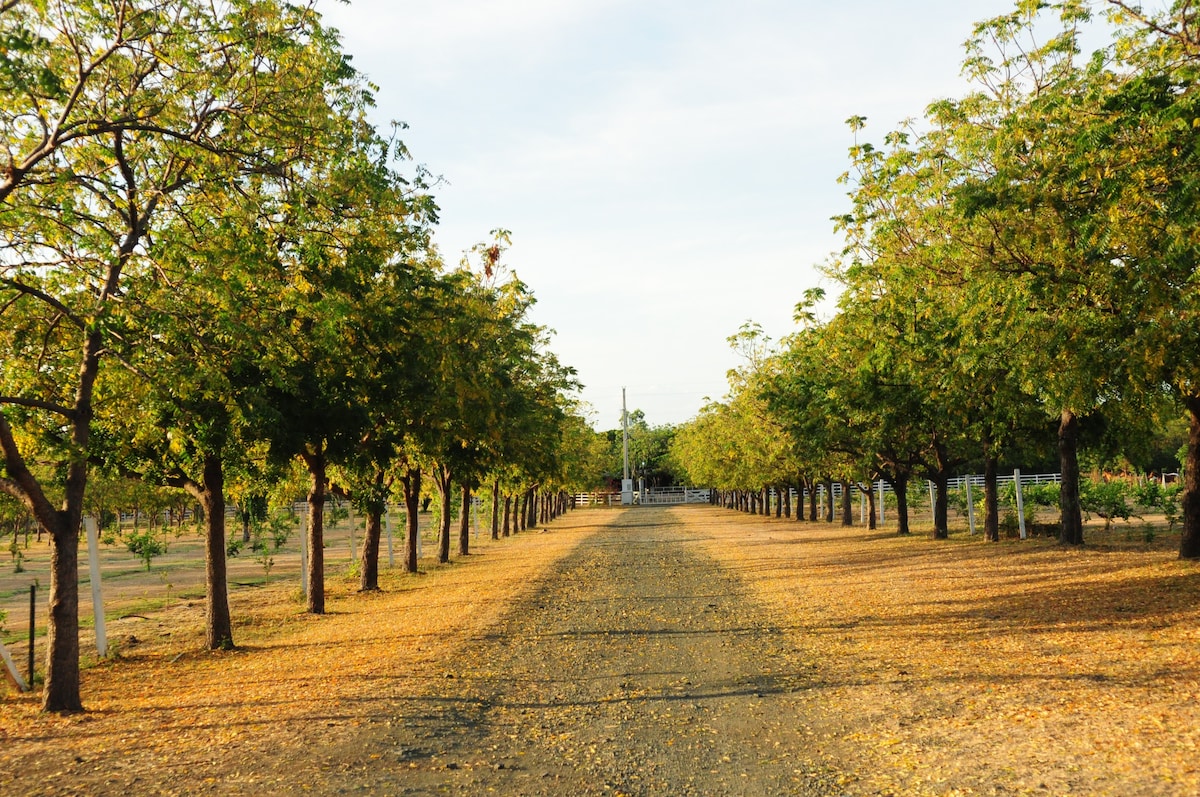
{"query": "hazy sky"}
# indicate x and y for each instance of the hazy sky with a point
(667, 167)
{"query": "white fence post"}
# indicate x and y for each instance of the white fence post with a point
(93, 542)
(932, 504)
(1020, 502)
(970, 507)
(387, 523)
(304, 552)
(10, 670)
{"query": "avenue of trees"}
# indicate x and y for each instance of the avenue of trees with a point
(214, 271)
(1018, 282)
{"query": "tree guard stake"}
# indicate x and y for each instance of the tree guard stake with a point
(1020, 502)
(93, 541)
(387, 524)
(970, 507)
(10, 670)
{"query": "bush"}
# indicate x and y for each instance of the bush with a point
(1045, 494)
(1108, 499)
(1148, 494)
(1010, 524)
(266, 538)
(146, 545)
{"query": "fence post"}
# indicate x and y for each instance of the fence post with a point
(387, 523)
(1020, 502)
(932, 505)
(304, 553)
(10, 670)
(89, 526)
(970, 507)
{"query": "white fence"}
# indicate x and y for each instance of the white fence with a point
(597, 499)
(666, 496)
(663, 496)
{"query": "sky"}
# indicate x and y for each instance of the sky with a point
(667, 168)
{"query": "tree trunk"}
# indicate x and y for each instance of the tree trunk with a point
(941, 506)
(1068, 501)
(847, 505)
(941, 482)
(991, 498)
(411, 482)
(872, 510)
(464, 523)
(787, 501)
(445, 486)
(496, 510)
(316, 529)
(900, 487)
(61, 690)
(218, 624)
(368, 558)
(812, 501)
(1189, 543)
(508, 500)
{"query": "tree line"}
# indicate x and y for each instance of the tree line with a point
(1018, 281)
(214, 267)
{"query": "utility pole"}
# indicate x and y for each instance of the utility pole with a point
(626, 482)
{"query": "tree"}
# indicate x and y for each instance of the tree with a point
(110, 113)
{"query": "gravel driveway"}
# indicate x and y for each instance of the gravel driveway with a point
(637, 667)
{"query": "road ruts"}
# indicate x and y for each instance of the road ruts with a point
(638, 667)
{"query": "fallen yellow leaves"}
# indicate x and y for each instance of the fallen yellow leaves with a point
(963, 668)
(295, 682)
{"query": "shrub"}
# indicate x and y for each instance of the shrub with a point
(1106, 499)
(146, 545)
(1148, 494)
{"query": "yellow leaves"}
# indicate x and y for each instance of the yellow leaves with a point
(953, 670)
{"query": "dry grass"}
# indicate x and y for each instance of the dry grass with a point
(964, 668)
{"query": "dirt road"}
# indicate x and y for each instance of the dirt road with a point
(637, 667)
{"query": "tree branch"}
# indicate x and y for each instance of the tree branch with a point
(42, 296)
(34, 404)
(21, 484)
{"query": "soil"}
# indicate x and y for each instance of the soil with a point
(687, 650)
(638, 666)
